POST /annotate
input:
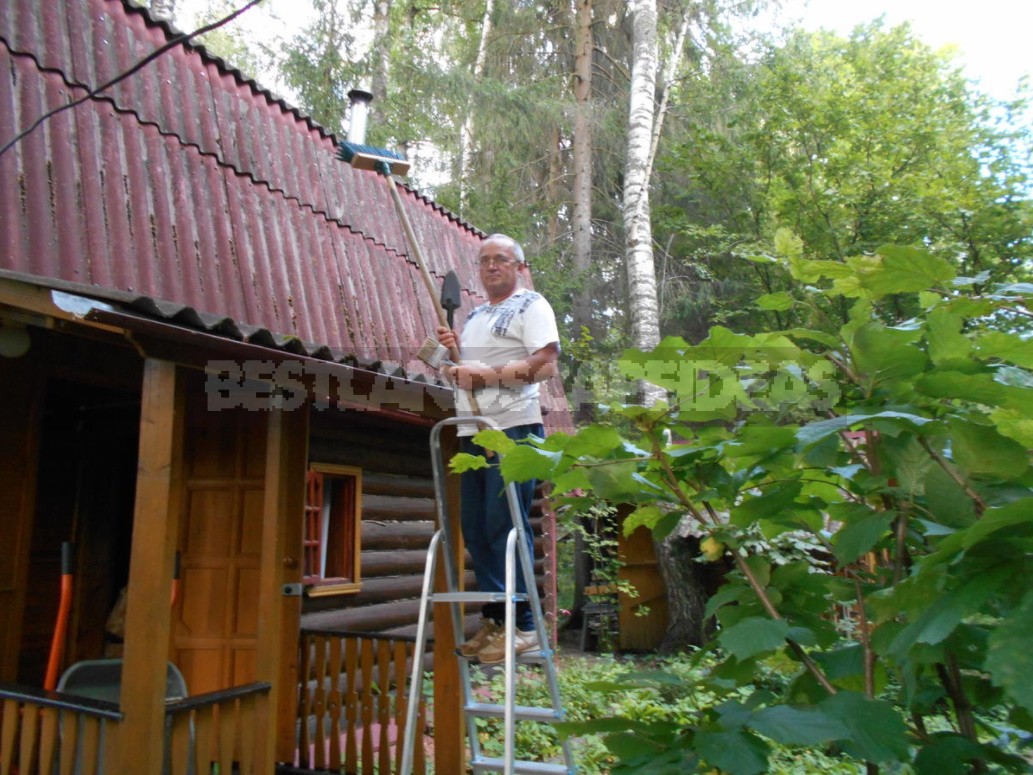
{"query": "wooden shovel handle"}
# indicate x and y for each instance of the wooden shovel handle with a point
(428, 281)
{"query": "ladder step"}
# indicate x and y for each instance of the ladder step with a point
(535, 657)
(475, 597)
(499, 765)
(520, 712)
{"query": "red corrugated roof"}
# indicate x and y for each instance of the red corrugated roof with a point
(188, 183)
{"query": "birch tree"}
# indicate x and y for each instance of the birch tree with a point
(466, 133)
(643, 308)
(581, 219)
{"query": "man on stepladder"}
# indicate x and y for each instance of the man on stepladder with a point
(508, 346)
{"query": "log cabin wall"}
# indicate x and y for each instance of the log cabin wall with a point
(398, 521)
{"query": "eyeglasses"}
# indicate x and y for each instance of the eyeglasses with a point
(486, 261)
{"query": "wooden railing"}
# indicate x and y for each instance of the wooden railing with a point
(218, 728)
(352, 702)
(43, 732)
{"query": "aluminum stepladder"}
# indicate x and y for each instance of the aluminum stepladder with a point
(509, 711)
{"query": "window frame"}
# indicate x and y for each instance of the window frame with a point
(350, 532)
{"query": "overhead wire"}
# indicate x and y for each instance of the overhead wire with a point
(172, 43)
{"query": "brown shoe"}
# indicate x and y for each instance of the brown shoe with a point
(494, 652)
(480, 639)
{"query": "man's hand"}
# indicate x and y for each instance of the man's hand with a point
(448, 338)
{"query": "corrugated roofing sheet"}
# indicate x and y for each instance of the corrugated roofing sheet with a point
(190, 184)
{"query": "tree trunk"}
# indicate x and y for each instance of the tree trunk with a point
(581, 220)
(643, 306)
(381, 76)
(688, 588)
(466, 131)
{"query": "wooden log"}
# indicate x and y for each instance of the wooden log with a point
(392, 507)
(358, 452)
(396, 535)
(371, 618)
(392, 563)
(403, 486)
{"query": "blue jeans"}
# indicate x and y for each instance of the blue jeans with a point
(486, 522)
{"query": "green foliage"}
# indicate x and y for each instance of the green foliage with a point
(902, 622)
(854, 141)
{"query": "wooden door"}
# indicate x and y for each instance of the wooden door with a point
(638, 631)
(216, 619)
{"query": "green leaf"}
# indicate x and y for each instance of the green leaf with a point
(982, 451)
(821, 337)
(596, 441)
(860, 534)
(772, 501)
(1009, 658)
(815, 432)
(776, 302)
(940, 618)
(980, 388)
(1015, 514)
(647, 516)
(1006, 347)
(876, 731)
(525, 462)
(462, 461)
(946, 499)
(760, 440)
(1014, 424)
(495, 440)
(946, 342)
(909, 462)
(613, 481)
(735, 752)
(754, 635)
(792, 726)
(947, 754)
(904, 270)
(886, 354)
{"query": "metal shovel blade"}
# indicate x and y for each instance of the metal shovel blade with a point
(451, 295)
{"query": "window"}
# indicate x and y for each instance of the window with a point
(331, 541)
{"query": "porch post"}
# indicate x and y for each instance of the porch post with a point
(279, 615)
(449, 743)
(141, 736)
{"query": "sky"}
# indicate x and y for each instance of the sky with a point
(992, 37)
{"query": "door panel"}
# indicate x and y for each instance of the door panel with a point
(215, 626)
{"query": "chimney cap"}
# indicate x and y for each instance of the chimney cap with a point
(360, 95)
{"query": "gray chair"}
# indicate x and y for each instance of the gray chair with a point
(101, 679)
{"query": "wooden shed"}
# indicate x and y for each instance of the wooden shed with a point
(207, 336)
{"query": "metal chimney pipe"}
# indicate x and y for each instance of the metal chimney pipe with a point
(359, 100)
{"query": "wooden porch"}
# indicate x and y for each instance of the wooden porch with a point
(350, 718)
(43, 733)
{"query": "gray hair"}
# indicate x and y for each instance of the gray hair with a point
(509, 242)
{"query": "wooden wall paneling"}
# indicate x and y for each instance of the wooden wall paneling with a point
(155, 528)
(20, 396)
(639, 568)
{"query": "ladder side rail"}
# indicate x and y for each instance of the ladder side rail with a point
(527, 563)
(451, 574)
(420, 647)
(510, 677)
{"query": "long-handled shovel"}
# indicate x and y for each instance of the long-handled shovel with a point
(57, 644)
(388, 163)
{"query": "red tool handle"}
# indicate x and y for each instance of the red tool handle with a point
(64, 609)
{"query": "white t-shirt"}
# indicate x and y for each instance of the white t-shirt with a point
(498, 334)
